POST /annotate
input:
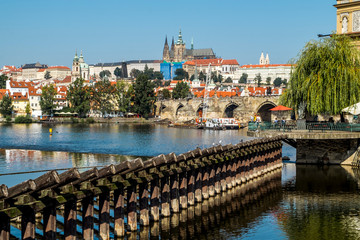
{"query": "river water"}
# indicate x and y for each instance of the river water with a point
(309, 202)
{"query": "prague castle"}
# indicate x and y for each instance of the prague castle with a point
(179, 53)
(348, 19)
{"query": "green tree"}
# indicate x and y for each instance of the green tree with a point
(47, 99)
(216, 77)
(268, 80)
(47, 75)
(181, 90)
(326, 78)
(104, 73)
(124, 94)
(27, 109)
(285, 82)
(79, 97)
(144, 95)
(167, 83)
(243, 78)
(277, 82)
(228, 80)
(202, 76)
(103, 97)
(181, 74)
(135, 73)
(158, 75)
(158, 83)
(6, 106)
(118, 72)
(258, 79)
(3, 79)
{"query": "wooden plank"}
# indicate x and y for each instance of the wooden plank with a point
(174, 193)
(70, 220)
(131, 206)
(154, 199)
(165, 196)
(144, 204)
(21, 188)
(191, 187)
(4, 227)
(183, 190)
(4, 192)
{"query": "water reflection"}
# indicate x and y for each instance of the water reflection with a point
(20, 160)
(322, 204)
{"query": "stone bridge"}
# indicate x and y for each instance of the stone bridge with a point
(239, 107)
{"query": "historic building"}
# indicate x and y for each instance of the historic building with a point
(348, 19)
(30, 71)
(79, 68)
(178, 52)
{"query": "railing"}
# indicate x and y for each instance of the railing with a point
(131, 193)
(310, 126)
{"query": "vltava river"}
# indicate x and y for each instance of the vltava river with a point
(307, 202)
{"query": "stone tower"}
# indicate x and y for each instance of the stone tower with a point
(262, 59)
(166, 51)
(179, 49)
(267, 59)
(76, 72)
(172, 45)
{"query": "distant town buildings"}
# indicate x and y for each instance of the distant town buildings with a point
(348, 19)
(79, 68)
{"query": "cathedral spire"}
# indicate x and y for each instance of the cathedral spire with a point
(192, 43)
(262, 59)
(172, 45)
(267, 60)
(166, 52)
(180, 40)
(166, 43)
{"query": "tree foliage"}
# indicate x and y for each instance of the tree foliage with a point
(216, 77)
(181, 90)
(3, 79)
(102, 97)
(27, 109)
(243, 78)
(104, 73)
(268, 80)
(79, 97)
(134, 73)
(6, 106)
(228, 80)
(164, 94)
(118, 72)
(326, 78)
(144, 95)
(277, 82)
(47, 99)
(124, 94)
(258, 79)
(181, 74)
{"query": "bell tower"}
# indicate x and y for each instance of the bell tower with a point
(166, 51)
(75, 73)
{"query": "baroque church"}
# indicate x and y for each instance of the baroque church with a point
(79, 68)
(179, 53)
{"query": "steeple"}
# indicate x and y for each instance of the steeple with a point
(196, 76)
(172, 45)
(166, 52)
(81, 59)
(262, 59)
(76, 58)
(192, 43)
(166, 43)
(180, 40)
(267, 60)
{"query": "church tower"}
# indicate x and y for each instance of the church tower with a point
(166, 51)
(267, 59)
(76, 72)
(172, 45)
(262, 59)
(179, 49)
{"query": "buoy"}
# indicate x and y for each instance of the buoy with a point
(50, 131)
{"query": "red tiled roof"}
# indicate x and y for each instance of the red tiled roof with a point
(32, 91)
(3, 92)
(41, 70)
(59, 67)
(19, 96)
(230, 62)
(14, 84)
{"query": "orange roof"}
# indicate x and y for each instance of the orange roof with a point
(32, 91)
(14, 84)
(266, 65)
(230, 62)
(19, 96)
(41, 70)
(3, 92)
(204, 62)
(59, 67)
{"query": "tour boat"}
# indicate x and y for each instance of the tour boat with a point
(230, 123)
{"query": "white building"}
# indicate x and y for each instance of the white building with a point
(34, 100)
(140, 65)
(95, 69)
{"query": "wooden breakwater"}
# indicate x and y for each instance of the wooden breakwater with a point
(132, 193)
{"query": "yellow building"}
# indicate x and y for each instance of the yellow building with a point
(19, 102)
(348, 19)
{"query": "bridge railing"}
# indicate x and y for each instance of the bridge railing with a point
(131, 193)
(310, 126)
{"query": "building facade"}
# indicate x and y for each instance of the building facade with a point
(30, 71)
(79, 68)
(348, 19)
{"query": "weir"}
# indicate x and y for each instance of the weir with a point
(122, 199)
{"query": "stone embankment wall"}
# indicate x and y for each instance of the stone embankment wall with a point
(153, 190)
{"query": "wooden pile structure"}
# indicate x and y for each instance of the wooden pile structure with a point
(131, 193)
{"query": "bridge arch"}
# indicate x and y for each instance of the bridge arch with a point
(178, 108)
(264, 110)
(229, 110)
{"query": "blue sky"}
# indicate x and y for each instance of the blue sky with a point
(116, 30)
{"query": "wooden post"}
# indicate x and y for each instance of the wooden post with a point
(228, 174)
(28, 224)
(205, 182)
(154, 201)
(88, 217)
(70, 220)
(165, 196)
(183, 190)
(4, 227)
(104, 217)
(191, 187)
(49, 218)
(119, 223)
(144, 203)
(211, 181)
(218, 178)
(131, 206)
(223, 177)
(198, 185)
(174, 193)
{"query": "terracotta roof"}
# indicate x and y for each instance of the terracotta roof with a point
(19, 96)
(230, 62)
(32, 91)
(3, 92)
(42, 70)
(14, 84)
(59, 67)
(204, 62)
(267, 65)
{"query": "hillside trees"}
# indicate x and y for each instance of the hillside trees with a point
(6, 106)
(144, 95)
(181, 90)
(79, 97)
(47, 99)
